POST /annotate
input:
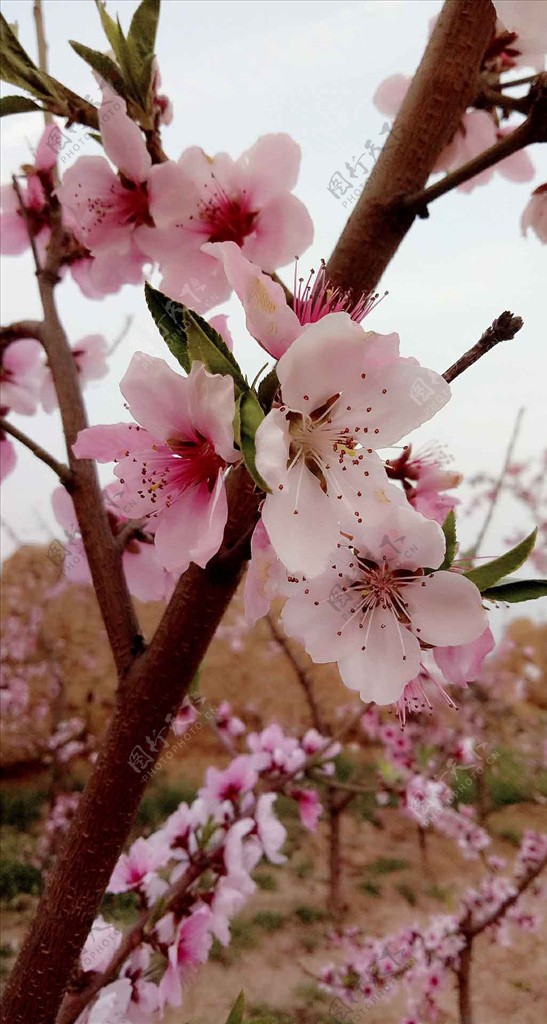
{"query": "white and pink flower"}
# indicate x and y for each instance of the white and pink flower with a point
(375, 605)
(344, 393)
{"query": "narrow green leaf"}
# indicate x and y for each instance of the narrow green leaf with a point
(517, 591)
(207, 345)
(112, 30)
(238, 1009)
(168, 317)
(103, 65)
(249, 416)
(267, 389)
(449, 530)
(16, 105)
(144, 25)
(485, 576)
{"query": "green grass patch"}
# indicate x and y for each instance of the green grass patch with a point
(387, 865)
(21, 808)
(407, 892)
(158, 804)
(269, 920)
(309, 915)
(17, 877)
(266, 881)
(370, 888)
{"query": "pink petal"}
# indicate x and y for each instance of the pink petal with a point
(8, 458)
(192, 528)
(303, 541)
(106, 443)
(390, 94)
(283, 231)
(326, 356)
(271, 166)
(390, 659)
(446, 608)
(462, 665)
(148, 378)
(122, 140)
(268, 317)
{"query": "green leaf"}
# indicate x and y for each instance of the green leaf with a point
(207, 345)
(103, 65)
(485, 576)
(238, 1009)
(143, 28)
(16, 105)
(517, 591)
(112, 30)
(449, 530)
(267, 389)
(168, 317)
(249, 416)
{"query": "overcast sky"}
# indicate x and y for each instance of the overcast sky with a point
(236, 70)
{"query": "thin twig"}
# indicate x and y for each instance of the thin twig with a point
(499, 484)
(503, 328)
(62, 471)
(122, 334)
(42, 48)
(303, 677)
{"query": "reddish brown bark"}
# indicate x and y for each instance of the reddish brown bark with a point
(154, 682)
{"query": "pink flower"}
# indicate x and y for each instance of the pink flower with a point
(264, 578)
(273, 750)
(462, 665)
(15, 227)
(103, 209)
(270, 320)
(248, 201)
(21, 376)
(226, 722)
(516, 167)
(424, 478)
(90, 358)
(271, 832)
(8, 458)
(173, 469)
(372, 608)
(309, 806)
(136, 868)
(238, 778)
(191, 948)
(344, 394)
(144, 994)
(528, 19)
(535, 214)
(108, 270)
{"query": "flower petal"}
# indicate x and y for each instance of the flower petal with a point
(445, 609)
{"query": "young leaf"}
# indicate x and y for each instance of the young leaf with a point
(103, 65)
(238, 1009)
(207, 345)
(16, 105)
(143, 28)
(168, 317)
(485, 576)
(249, 416)
(517, 591)
(449, 530)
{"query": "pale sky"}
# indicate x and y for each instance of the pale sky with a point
(234, 71)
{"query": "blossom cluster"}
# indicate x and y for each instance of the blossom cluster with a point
(194, 873)
(422, 958)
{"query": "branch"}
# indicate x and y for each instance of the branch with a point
(499, 484)
(503, 328)
(62, 471)
(303, 677)
(18, 331)
(533, 129)
(443, 87)
(472, 930)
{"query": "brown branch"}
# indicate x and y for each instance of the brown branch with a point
(444, 85)
(18, 331)
(533, 129)
(42, 48)
(472, 930)
(62, 471)
(503, 328)
(304, 678)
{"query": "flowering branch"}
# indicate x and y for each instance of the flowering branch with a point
(62, 471)
(533, 129)
(441, 90)
(503, 328)
(303, 677)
